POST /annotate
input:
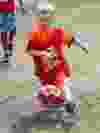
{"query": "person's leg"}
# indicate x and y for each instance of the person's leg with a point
(35, 91)
(4, 32)
(70, 105)
(67, 90)
(35, 87)
(12, 32)
(11, 42)
(4, 43)
(37, 106)
(21, 6)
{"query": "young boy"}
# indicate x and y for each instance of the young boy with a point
(44, 36)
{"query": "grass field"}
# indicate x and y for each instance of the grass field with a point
(84, 19)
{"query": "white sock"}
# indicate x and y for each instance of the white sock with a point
(67, 94)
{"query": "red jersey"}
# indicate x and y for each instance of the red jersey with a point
(7, 6)
(45, 39)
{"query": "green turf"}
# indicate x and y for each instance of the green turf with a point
(15, 88)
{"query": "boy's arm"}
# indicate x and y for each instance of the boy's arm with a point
(32, 51)
(28, 46)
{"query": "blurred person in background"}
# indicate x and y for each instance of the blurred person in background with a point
(7, 27)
